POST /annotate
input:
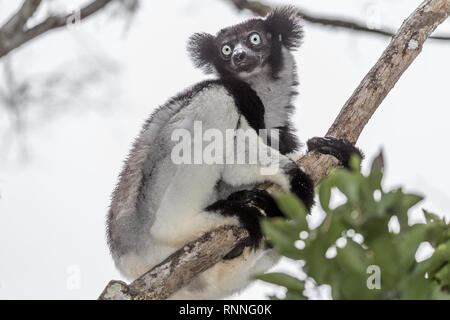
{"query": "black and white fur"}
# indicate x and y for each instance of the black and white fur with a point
(159, 206)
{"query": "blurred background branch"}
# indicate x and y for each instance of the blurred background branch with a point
(14, 32)
(48, 93)
(261, 8)
(31, 19)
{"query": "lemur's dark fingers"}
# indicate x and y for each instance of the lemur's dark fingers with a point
(258, 199)
(341, 149)
(236, 252)
(249, 206)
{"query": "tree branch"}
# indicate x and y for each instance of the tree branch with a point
(20, 18)
(13, 34)
(179, 268)
(199, 255)
(261, 9)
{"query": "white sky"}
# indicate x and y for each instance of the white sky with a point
(53, 205)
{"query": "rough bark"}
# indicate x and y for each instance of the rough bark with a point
(178, 269)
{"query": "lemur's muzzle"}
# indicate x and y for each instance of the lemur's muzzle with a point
(243, 61)
(239, 57)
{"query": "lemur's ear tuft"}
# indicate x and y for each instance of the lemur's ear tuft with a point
(202, 49)
(284, 25)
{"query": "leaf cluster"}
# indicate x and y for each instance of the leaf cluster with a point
(354, 239)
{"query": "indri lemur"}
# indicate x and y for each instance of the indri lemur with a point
(158, 206)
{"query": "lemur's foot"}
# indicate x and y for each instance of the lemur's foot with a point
(249, 206)
(342, 149)
(301, 185)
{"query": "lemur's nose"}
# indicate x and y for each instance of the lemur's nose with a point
(239, 56)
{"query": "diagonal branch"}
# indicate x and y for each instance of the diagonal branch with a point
(262, 9)
(13, 34)
(182, 266)
(20, 18)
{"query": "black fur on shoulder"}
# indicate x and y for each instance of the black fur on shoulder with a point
(202, 50)
(247, 102)
(284, 22)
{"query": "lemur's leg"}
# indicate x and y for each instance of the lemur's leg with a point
(249, 206)
(180, 216)
(340, 148)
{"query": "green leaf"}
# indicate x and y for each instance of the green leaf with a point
(440, 293)
(444, 275)
(415, 287)
(292, 207)
(397, 203)
(375, 227)
(430, 217)
(385, 254)
(410, 200)
(325, 194)
(294, 296)
(294, 286)
(355, 163)
(284, 280)
(402, 277)
(440, 257)
(282, 236)
(354, 287)
(348, 183)
(376, 172)
(407, 244)
(352, 258)
(407, 202)
(388, 202)
(438, 229)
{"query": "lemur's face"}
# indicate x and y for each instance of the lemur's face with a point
(244, 49)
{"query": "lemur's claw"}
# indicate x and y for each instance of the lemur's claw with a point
(250, 206)
(342, 149)
(236, 252)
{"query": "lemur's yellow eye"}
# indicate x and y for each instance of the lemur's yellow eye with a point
(255, 39)
(226, 50)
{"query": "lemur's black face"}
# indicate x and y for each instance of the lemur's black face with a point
(244, 49)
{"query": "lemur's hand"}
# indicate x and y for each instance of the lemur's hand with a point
(342, 149)
(249, 206)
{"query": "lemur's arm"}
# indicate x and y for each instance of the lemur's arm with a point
(341, 149)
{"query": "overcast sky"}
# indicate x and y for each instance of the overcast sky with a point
(56, 180)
